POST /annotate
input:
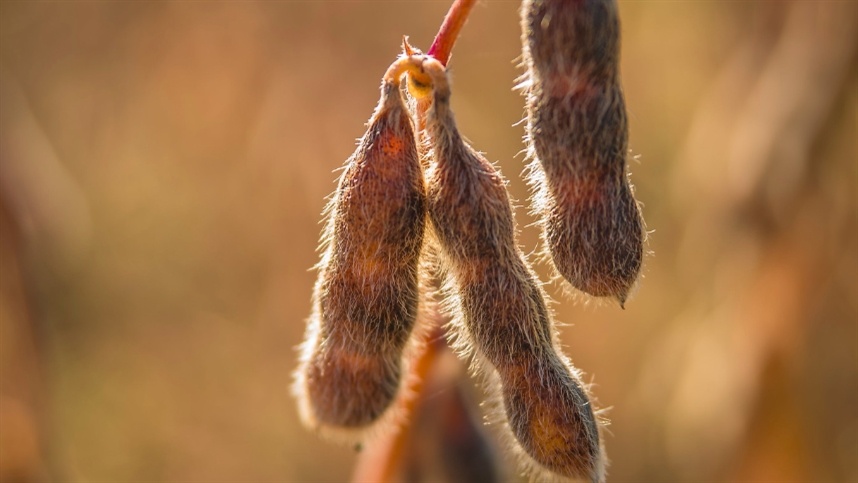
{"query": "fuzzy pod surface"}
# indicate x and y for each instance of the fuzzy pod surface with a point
(365, 301)
(498, 304)
(577, 136)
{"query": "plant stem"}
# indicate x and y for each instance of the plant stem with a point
(381, 462)
(440, 49)
(456, 17)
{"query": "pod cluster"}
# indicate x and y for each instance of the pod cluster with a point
(366, 298)
(577, 136)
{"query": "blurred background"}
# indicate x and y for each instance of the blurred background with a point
(163, 166)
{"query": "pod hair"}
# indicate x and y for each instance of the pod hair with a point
(498, 307)
(365, 301)
(577, 140)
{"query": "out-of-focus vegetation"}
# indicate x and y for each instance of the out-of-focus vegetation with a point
(163, 166)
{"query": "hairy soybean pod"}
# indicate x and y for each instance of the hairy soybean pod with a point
(577, 136)
(500, 306)
(366, 295)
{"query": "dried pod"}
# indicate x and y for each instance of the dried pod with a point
(577, 136)
(498, 304)
(366, 295)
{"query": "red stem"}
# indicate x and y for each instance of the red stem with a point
(380, 462)
(442, 46)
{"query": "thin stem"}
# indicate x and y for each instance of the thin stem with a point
(381, 462)
(456, 17)
(441, 49)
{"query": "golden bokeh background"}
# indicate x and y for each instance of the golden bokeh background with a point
(163, 166)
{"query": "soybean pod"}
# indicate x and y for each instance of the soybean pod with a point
(498, 305)
(577, 137)
(365, 300)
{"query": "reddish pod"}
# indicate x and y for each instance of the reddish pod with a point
(366, 296)
(498, 305)
(577, 135)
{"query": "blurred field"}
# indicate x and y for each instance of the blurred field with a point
(163, 166)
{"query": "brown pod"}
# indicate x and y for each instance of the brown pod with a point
(366, 295)
(499, 305)
(577, 136)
